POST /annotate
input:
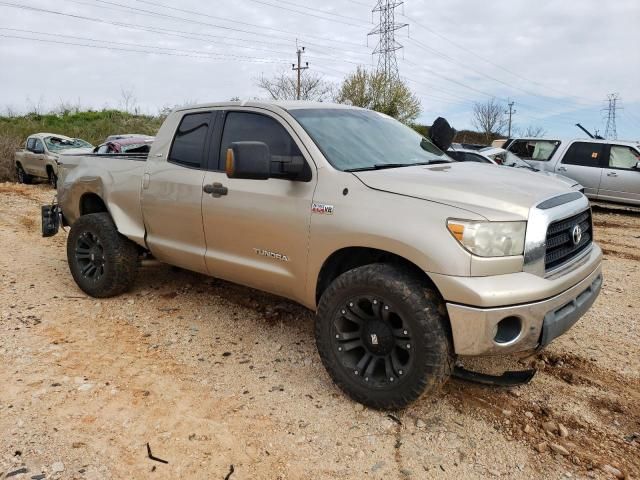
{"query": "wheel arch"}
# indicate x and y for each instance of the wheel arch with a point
(348, 258)
(91, 202)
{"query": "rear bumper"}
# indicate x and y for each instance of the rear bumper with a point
(474, 329)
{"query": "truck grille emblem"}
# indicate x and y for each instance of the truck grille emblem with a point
(576, 234)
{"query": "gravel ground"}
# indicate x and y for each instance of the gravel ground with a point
(212, 375)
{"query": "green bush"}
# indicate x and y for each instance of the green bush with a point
(92, 126)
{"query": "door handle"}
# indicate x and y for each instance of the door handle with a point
(216, 190)
(612, 174)
(562, 169)
(145, 181)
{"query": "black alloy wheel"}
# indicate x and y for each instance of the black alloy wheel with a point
(373, 342)
(89, 253)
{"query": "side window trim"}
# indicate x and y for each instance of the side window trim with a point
(204, 157)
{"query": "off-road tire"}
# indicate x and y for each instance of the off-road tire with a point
(52, 178)
(119, 256)
(423, 314)
(22, 176)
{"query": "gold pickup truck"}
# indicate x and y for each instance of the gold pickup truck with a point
(409, 258)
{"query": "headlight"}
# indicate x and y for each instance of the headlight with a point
(489, 239)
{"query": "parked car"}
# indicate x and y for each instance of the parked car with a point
(608, 169)
(500, 156)
(39, 156)
(126, 145)
(408, 257)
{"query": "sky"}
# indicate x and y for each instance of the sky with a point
(556, 60)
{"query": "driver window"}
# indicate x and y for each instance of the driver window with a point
(254, 127)
(38, 145)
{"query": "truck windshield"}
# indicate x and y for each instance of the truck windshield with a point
(57, 144)
(353, 139)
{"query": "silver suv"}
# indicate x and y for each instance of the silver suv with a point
(609, 170)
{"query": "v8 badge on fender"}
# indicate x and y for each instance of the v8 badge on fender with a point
(322, 208)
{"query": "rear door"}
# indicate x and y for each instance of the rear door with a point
(172, 195)
(583, 162)
(257, 231)
(621, 179)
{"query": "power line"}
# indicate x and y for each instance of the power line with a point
(109, 46)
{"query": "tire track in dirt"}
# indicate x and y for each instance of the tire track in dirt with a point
(589, 446)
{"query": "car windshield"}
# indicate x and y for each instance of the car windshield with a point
(353, 139)
(508, 159)
(58, 144)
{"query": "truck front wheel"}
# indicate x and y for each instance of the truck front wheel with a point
(102, 262)
(382, 335)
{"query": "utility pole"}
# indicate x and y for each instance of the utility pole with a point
(299, 69)
(511, 112)
(387, 45)
(611, 131)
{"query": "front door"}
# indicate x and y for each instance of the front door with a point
(583, 162)
(621, 179)
(257, 231)
(172, 195)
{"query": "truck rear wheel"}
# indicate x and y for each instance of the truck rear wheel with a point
(102, 262)
(21, 175)
(382, 335)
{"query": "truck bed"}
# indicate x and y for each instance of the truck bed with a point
(115, 178)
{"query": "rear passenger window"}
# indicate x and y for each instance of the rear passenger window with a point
(585, 154)
(623, 157)
(253, 127)
(188, 144)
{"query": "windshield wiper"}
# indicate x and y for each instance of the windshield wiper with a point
(383, 166)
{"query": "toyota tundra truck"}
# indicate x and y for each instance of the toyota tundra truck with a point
(409, 259)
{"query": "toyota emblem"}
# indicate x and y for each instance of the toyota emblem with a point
(576, 234)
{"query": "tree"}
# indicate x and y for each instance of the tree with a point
(489, 118)
(532, 131)
(374, 90)
(284, 87)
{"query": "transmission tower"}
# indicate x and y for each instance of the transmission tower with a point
(611, 132)
(387, 44)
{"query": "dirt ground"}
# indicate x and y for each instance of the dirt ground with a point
(211, 375)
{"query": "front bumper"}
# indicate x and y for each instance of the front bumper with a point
(474, 329)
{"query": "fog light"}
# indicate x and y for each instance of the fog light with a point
(508, 329)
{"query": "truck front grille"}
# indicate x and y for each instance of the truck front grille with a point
(562, 236)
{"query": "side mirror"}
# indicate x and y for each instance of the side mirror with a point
(442, 134)
(248, 160)
(637, 167)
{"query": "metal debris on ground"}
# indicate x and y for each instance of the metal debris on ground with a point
(231, 470)
(150, 455)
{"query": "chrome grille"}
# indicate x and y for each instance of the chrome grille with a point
(560, 243)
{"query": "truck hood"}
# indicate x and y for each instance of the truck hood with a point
(496, 193)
